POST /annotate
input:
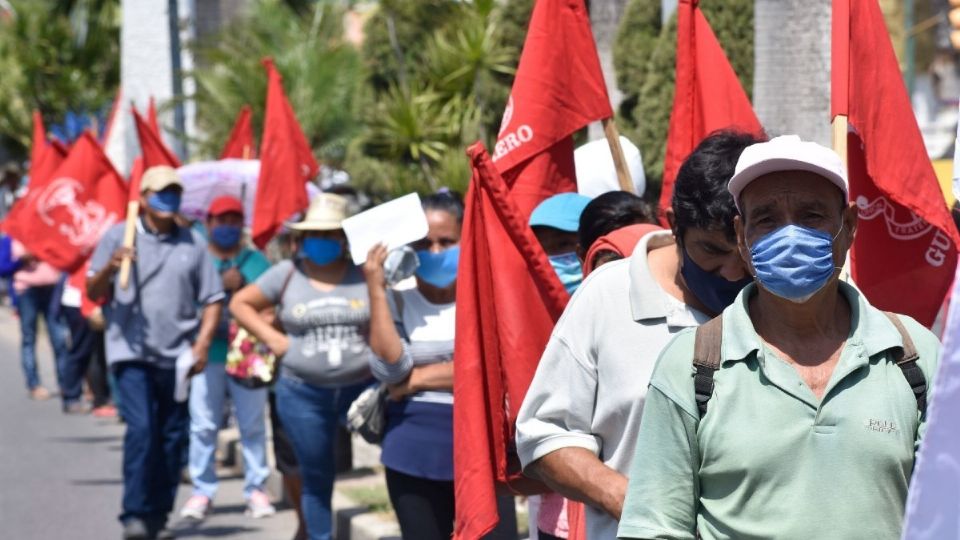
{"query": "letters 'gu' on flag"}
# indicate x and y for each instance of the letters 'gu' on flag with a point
(63, 219)
(508, 296)
(905, 251)
(286, 163)
(240, 143)
(707, 94)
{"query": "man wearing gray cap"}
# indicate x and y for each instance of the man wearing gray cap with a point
(798, 411)
(170, 308)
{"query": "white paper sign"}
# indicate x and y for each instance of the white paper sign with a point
(934, 495)
(181, 387)
(395, 223)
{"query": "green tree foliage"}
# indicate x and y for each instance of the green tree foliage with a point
(56, 56)
(322, 75)
(648, 82)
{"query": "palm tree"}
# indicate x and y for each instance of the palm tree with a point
(791, 90)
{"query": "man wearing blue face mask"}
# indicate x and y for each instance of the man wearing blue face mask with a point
(555, 222)
(170, 307)
(797, 413)
(238, 265)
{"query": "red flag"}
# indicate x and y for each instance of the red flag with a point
(152, 117)
(508, 300)
(558, 89)
(286, 163)
(906, 239)
(45, 156)
(240, 143)
(153, 153)
(63, 219)
(707, 94)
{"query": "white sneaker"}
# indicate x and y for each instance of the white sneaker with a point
(258, 505)
(197, 507)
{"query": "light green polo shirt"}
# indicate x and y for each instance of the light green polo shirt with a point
(769, 460)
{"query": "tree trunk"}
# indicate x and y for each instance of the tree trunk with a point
(791, 89)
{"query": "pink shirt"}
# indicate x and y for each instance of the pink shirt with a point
(552, 518)
(36, 274)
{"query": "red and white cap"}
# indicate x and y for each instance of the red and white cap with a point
(786, 153)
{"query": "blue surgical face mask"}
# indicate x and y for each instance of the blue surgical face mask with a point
(439, 269)
(226, 236)
(568, 269)
(794, 262)
(165, 201)
(321, 251)
(714, 290)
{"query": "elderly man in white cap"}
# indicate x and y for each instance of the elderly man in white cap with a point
(170, 308)
(797, 412)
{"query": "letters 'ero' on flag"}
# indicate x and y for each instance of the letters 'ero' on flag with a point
(558, 90)
(707, 94)
(240, 143)
(905, 251)
(286, 163)
(507, 304)
(63, 219)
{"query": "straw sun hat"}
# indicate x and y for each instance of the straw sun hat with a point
(326, 213)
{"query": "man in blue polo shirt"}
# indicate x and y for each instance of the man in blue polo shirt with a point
(170, 308)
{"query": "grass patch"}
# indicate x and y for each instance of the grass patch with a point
(373, 497)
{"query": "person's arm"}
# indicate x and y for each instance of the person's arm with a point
(437, 376)
(385, 341)
(245, 306)
(209, 318)
(100, 282)
(578, 474)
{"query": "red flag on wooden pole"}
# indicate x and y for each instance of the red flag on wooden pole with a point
(286, 163)
(707, 94)
(906, 239)
(240, 143)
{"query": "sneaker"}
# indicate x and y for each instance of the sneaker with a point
(197, 507)
(258, 505)
(135, 529)
(39, 393)
(104, 411)
(76, 407)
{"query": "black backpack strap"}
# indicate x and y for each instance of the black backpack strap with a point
(906, 358)
(706, 360)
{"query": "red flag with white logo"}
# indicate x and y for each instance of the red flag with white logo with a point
(905, 251)
(707, 94)
(240, 143)
(45, 157)
(286, 163)
(63, 219)
(558, 89)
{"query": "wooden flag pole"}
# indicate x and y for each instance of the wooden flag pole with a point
(619, 161)
(840, 137)
(129, 236)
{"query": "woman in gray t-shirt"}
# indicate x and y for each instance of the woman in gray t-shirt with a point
(322, 303)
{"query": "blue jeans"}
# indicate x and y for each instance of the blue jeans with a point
(207, 393)
(154, 442)
(34, 302)
(310, 415)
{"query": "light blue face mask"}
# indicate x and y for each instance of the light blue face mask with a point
(568, 269)
(794, 262)
(439, 269)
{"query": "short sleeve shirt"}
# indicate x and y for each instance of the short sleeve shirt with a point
(328, 330)
(251, 264)
(770, 460)
(157, 316)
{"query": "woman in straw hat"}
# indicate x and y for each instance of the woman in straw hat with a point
(322, 305)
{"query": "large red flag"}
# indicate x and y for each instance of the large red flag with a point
(906, 240)
(62, 220)
(153, 152)
(240, 143)
(558, 89)
(45, 156)
(707, 94)
(508, 300)
(286, 163)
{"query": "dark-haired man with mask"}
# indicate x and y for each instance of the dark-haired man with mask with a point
(578, 423)
(169, 309)
(801, 415)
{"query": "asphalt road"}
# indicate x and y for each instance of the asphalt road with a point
(60, 476)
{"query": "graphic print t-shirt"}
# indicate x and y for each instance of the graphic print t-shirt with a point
(328, 330)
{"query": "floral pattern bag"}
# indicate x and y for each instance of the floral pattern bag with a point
(249, 361)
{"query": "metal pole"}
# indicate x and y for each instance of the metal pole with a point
(909, 47)
(179, 117)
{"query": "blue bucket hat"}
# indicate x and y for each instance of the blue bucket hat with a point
(561, 211)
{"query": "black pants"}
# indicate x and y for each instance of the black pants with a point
(424, 507)
(85, 357)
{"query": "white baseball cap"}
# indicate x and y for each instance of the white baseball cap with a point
(786, 153)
